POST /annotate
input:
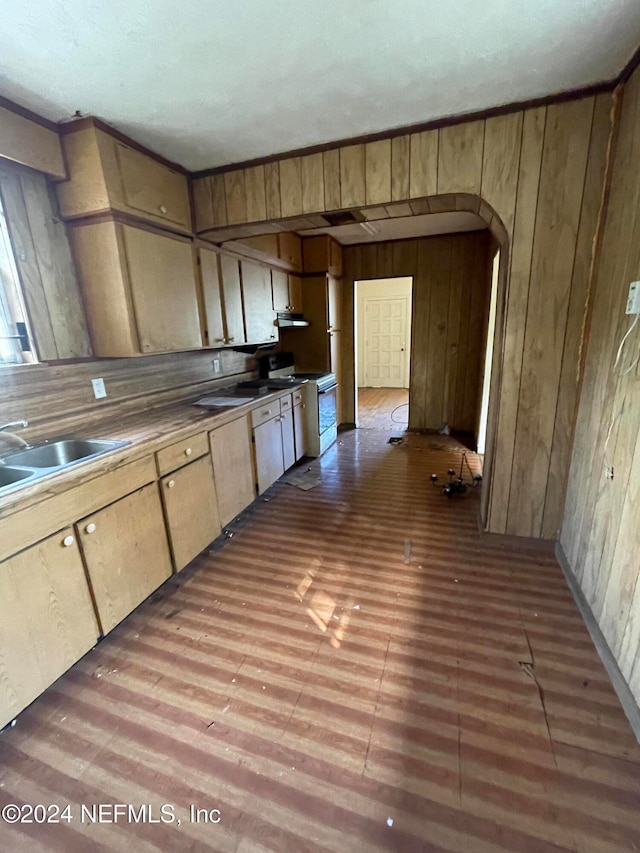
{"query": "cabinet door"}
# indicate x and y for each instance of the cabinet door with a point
(191, 510)
(290, 249)
(295, 293)
(288, 439)
(334, 296)
(280, 290)
(47, 621)
(232, 298)
(267, 440)
(164, 290)
(210, 277)
(127, 554)
(258, 311)
(150, 187)
(300, 430)
(335, 258)
(231, 454)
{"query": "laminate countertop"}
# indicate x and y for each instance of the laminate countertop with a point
(146, 431)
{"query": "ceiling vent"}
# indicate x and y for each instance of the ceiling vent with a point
(343, 217)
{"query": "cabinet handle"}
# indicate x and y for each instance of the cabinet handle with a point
(272, 336)
(220, 340)
(188, 451)
(163, 209)
(230, 340)
(68, 541)
(90, 528)
(171, 484)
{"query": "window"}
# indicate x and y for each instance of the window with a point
(15, 338)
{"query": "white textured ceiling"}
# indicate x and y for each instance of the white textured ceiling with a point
(208, 83)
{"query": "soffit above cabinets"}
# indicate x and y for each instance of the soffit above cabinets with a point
(207, 85)
(402, 227)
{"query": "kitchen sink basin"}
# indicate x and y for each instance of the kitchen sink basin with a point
(22, 467)
(59, 454)
(10, 476)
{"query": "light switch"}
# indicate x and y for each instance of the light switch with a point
(216, 365)
(633, 300)
(99, 390)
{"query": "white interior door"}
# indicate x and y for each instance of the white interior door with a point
(385, 344)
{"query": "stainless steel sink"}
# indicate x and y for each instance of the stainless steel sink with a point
(9, 476)
(21, 467)
(59, 454)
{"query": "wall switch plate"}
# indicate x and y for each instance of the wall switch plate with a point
(633, 300)
(608, 472)
(216, 365)
(99, 391)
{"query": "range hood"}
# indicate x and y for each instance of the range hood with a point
(285, 319)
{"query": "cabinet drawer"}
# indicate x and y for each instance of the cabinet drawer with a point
(285, 403)
(297, 397)
(265, 413)
(178, 454)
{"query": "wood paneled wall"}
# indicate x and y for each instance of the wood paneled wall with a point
(451, 281)
(59, 398)
(44, 263)
(601, 530)
(538, 176)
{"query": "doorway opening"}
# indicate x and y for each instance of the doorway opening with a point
(382, 352)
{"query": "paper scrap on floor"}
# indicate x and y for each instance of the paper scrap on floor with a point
(304, 479)
(214, 402)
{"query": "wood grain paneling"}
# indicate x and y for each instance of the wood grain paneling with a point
(352, 176)
(378, 171)
(291, 187)
(423, 176)
(600, 528)
(460, 152)
(59, 398)
(272, 190)
(562, 178)
(235, 194)
(43, 259)
(331, 169)
(256, 198)
(312, 175)
(449, 315)
(400, 162)
(30, 144)
(218, 199)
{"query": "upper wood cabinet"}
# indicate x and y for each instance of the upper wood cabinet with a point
(47, 623)
(290, 249)
(259, 317)
(215, 329)
(139, 289)
(321, 254)
(107, 174)
(231, 290)
(287, 291)
(316, 347)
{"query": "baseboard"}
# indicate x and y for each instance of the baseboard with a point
(626, 697)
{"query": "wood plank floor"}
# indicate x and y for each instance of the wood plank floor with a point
(377, 408)
(325, 695)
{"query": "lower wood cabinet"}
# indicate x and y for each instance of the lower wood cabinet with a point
(231, 454)
(299, 429)
(126, 553)
(48, 621)
(273, 442)
(191, 510)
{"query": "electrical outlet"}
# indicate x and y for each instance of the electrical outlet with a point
(608, 472)
(216, 365)
(633, 300)
(99, 391)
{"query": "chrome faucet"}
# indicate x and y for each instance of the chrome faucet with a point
(19, 441)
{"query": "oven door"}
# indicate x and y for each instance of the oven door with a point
(327, 412)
